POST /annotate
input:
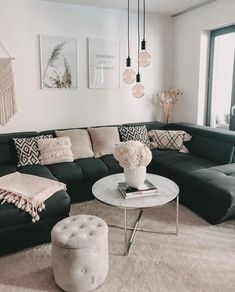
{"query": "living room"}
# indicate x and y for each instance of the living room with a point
(73, 92)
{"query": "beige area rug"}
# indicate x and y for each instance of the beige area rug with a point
(201, 259)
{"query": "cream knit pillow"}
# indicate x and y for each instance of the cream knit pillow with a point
(55, 150)
(80, 140)
(104, 140)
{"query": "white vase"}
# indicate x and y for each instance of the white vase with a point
(135, 177)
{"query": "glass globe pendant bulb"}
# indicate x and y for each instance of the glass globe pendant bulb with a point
(128, 75)
(144, 58)
(138, 89)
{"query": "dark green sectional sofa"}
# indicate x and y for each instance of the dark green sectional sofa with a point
(206, 177)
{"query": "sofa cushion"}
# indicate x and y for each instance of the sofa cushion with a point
(40, 170)
(215, 150)
(55, 205)
(71, 174)
(162, 152)
(209, 143)
(8, 153)
(92, 169)
(176, 165)
(66, 172)
(218, 183)
(7, 169)
(112, 164)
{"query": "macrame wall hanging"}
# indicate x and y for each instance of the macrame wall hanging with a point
(7, 89)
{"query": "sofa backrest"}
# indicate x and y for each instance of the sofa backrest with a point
(52, 132)
(213, 144)
(149, 125)
(7, 148)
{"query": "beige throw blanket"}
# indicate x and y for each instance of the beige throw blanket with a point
(7, 91)
(28, 192)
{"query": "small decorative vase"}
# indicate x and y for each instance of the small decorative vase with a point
(135, 177)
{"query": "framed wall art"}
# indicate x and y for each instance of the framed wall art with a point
(58, 62)
(104, 63)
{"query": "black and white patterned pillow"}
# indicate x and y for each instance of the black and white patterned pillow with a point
(165, 139)
(136, 133)
(27, 149)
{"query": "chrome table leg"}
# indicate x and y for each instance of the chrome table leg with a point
(125, 230)
(128, 244)
(177, 215)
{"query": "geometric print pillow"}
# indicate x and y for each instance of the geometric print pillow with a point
(163, 139)
(135, 133)
(27, 149)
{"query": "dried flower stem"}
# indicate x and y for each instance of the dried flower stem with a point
(167, 99)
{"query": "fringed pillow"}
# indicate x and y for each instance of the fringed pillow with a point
(164, 139)
(55, 150)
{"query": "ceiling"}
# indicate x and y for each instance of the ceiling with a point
(170, 7)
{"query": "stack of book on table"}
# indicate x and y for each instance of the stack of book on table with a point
(147, 189)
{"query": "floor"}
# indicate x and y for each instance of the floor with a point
(201, 259)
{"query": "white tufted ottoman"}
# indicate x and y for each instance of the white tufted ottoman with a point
(80, 253)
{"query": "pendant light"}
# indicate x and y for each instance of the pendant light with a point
(144, 56)
(128, 75)
(138, 89)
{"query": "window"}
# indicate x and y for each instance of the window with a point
(221, 79)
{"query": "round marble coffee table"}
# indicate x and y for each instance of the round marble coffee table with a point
(105, 190)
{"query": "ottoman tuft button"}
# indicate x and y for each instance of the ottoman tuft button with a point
(68, 286)
(83, 270)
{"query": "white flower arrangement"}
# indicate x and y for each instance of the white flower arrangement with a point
(132, 154)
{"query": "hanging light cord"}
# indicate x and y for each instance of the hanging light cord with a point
(138, 34)
(144, 21)
(128, 28)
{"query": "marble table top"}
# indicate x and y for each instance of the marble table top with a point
(105, 190)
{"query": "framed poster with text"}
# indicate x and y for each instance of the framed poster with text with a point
(104, 63)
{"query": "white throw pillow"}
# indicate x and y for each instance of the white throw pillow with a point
(55, 150)
(80, 140)
(104, 140)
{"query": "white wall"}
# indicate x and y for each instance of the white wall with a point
(191, 42)
(22, 21)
